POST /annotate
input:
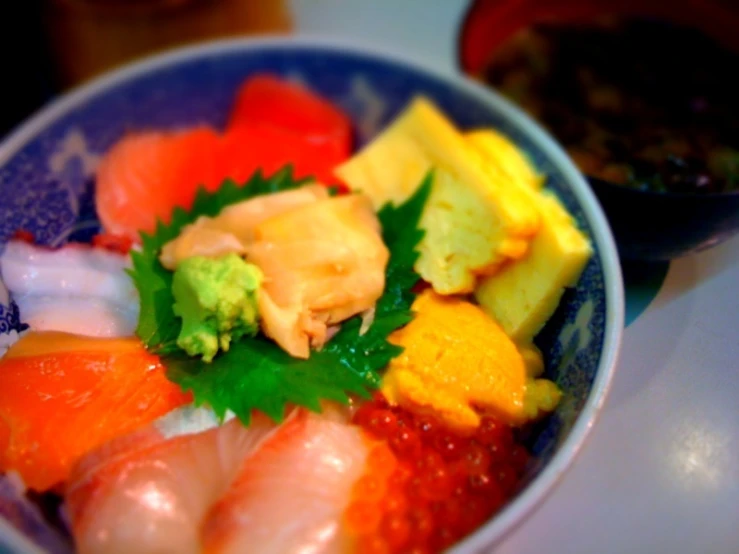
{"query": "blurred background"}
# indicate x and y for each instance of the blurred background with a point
(641, 93)
(65, 42)
(57, 44)
(664, 163)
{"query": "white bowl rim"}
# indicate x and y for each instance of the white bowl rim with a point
(542, 486)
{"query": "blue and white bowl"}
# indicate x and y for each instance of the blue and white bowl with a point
(47, 168)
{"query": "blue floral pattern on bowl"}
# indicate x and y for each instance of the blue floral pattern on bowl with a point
(46, 186)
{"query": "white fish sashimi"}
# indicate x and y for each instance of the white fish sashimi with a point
(77, 289)
(291, 494)
(189, 420)
(185, 484)
(148, 494)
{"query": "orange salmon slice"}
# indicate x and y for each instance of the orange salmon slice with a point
(61, 402)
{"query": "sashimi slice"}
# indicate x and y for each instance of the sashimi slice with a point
(148, 493)
(145, 175)
(73, 270)
(323, 262)
(290, 495)
(242, 218)
(232, 230)
(76, 289)
(270, 148)
(92, 317)
(62, 395)
(266, 99)
(274, 123)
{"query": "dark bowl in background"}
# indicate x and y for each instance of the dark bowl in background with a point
(647, 225)
(662, 225)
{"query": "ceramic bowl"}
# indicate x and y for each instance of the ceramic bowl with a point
(666, 225)
(47, 174)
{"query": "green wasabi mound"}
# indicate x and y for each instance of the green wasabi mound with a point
(217, 301)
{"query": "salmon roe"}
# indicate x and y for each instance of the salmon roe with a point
(426, 486)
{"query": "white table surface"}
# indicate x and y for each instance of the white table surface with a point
(660, 471)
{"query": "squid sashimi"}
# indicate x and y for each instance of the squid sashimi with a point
(148, 492)
(323, 262)
(62, 395)
(77, 288)
(290, 496)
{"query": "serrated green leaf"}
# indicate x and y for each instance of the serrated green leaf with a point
(255, 373)
(401, 233)
(158, 326)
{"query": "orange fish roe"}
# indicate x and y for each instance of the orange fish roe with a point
(426, 486)
(364, 514)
